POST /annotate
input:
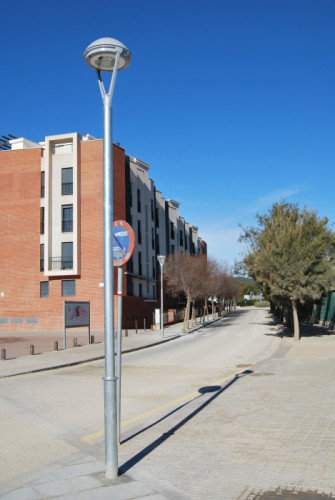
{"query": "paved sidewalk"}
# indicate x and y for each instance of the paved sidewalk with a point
(267, 433)
(75, 355)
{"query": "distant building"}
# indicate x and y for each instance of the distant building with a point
(51, 222)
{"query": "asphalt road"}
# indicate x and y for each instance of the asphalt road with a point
(49, 416)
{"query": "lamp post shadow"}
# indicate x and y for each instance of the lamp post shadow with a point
(218, 390)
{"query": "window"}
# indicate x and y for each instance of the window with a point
(139, 234)
(152, 238)
(130, 195)
(130, 266)
(153, 268)
(68, 288)
(60, 149)
(181, 238)
(42, 220)
(157, 217)
(138, 200)
(67, 181)
(44, 290)
(171, 230)
(67, 218)
(146, 219)
(140, 290)
(140, 263)
(157, 244)
(152, 210)
(42, 258)
(172, 249)
(42, 184)
(67, 255)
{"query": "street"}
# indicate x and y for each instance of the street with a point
(47, 415)
(203, 416)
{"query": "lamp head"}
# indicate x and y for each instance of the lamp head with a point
(161, 260)
(101, 54)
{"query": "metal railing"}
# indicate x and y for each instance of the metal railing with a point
(60, 263)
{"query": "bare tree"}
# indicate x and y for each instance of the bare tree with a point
(199, 277)
(183, 275)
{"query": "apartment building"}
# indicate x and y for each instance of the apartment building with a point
(51, 221)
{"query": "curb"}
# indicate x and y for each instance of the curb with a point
(97, 358)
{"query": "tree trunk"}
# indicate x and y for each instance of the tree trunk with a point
(295, 321)
(187, 314)
(194, 314)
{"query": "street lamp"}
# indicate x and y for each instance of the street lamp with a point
(110, 55)
(161, 260)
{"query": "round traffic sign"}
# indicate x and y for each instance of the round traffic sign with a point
(123, 242)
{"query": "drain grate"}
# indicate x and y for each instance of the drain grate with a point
(261, 374)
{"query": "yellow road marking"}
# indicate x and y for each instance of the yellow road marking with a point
(96, 435)
(16, 377)
(191, 395)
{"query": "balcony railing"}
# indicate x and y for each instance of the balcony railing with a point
(60, 263)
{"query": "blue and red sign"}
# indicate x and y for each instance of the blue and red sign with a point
(123, 242)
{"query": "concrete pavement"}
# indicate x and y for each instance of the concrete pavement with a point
(267, 432)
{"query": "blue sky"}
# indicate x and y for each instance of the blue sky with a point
(231, 103)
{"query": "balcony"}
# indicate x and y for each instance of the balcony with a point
(60, 263)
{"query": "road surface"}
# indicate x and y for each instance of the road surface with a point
(49, 416)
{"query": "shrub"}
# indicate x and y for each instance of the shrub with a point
(247, 302)
(265, 303)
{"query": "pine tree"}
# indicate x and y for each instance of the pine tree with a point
(290, 255)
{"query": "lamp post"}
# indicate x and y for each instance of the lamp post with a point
(161, 260)
(110, 55)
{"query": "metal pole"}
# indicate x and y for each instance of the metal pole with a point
(119, 346)
(89, 322)
(162, 313)
(111, 452)
(64, 332)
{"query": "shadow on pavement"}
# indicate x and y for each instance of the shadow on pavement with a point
(164, 437)
(306, 330)
(288, 495)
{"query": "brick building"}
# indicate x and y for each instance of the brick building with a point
(51, 222)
